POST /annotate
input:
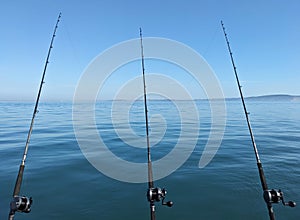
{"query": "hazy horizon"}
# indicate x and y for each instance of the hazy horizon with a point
(149, 98)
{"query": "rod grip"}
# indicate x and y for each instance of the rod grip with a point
(262, 176)
(19, 180)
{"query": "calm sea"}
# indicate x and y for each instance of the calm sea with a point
(64, 185)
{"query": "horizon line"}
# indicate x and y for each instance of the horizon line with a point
(157, 99)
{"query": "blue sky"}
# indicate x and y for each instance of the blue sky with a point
(264, 36)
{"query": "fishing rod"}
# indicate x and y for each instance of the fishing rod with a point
(23, 203)
(270, 196)
(153, 194)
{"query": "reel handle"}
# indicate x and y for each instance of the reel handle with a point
(275, 196)
(290, 204)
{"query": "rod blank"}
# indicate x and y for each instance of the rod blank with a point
(270, 196)
(17, 188)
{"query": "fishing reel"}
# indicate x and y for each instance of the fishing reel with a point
(21, 204)
(275, 196)
(157, 194)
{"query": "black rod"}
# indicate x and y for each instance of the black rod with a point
(18, 184)
(270, 196)
(153, 194)
(150, 173)
(259, 164)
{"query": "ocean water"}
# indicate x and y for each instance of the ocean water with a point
(64, 185)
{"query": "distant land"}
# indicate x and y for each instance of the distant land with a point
(279, 97)
(265, 98)
(290, 98)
